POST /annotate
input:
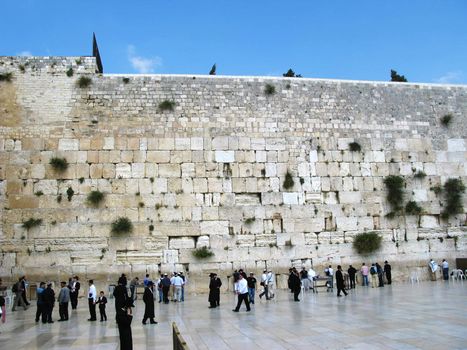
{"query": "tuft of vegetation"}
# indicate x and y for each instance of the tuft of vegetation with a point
(367, 242)
(412, 208)
(48, 250)
(436, 189)
(69, 72)
(271, 245)
(291, 74)
(213, 70)
(94, 198)
(202, 253)
(419, 174)
(453, 191)
(395, 195)
(141, 204)
(6, 76)
(151, 179)
(355, 147)
(59, 198)
(397, 77)
(121, 225)
(59, 164)
(69, 193)
(81, 180)
(288, 243)
(31, 222)
(78, 61)
(83, 82)
(288, 181)
(22, 68)
(166, 105)
(126, 80)
(446, 120)
(39, 193)
(250, 220)
(269, 89)
(151, 228)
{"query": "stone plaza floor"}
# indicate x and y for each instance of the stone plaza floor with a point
(402, 316)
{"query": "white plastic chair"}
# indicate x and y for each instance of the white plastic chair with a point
(454, 273)
(461, 275)
(414, 277)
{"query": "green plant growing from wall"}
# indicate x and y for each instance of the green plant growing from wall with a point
(446, 120)
(22, 68)
(269, 89)
(397, 77)
(31, 222)
(69, 72)
(355, 147)
(60, 165)
(78, 61)
(83, 82)
(166, 105)
(249, 221)
(39, 193)
(288, 181)
(419, 175)
(126, 80)
(412, 208)
(69, 193)
(59, 198)
(81, 180)
(453, 190)
(94, 198)
(151, 228)
(367, 242)
(395, 194)
(121, 225)
(48, 250)
(6, 76)
(436, 189)
(202, 253)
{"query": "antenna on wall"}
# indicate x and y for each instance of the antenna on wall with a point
(95, 53)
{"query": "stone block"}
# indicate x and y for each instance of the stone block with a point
(182, 242)
(68, 145)
(214, 227)
(225, 156)
(169, 170)
(456, 145)
(349, 197)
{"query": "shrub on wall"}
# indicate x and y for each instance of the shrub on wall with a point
(395, 194)
(202, 253)
(6, 76)
(166, 105)
(288, 181)
(419, 174)
(446, 119)
(397, 77)
(83, 82)
(31, 222)
(121, 225)
(412, 208)
(59, 164)
(355, 147)
(94, 198)
(367, 242)
(69, 72)
(453, 191)
(70, 193)
(269, 89)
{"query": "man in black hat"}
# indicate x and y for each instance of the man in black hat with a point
(387, 271)
(49, 300)
(148, 298)
(214, 291)
(123, 314)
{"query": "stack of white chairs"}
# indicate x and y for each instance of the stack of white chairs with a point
(414, 277)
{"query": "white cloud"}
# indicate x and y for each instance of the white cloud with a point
(143, 64)
(24, 53)
(455, 77)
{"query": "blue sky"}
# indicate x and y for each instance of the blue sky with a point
(426, 40)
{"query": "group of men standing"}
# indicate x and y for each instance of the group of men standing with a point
(377, 274)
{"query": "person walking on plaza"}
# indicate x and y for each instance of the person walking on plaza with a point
(445, 266)
(177, 283)
(352, 271)
(74, 292)
(18, 290)
(251, 280)
(374, 276)
(133, 283)
(387, 272)
(295, 283)
(264, 283)
(102, 302)
(271, 284)
(40, 302)
(433, 266)
(364, 270)
(24, 287)
(63, 300)
(159, 288)
(92, 298)
(304, 278)
(340, 281)
(330, 273)
(215, 284)
(49, 301)
(165, 288)
(241, 289)
(123, 315)
(148, 298)
(379, 269)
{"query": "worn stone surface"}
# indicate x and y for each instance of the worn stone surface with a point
(211, 172)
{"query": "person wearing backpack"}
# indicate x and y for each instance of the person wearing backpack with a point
(374, 276)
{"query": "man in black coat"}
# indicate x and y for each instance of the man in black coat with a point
(340, 281)
(379, 270)
(387, 271)
(295, 283)
(49, 300)
(123, 315)
(352, 271)
(74, 292)
(165, 282)
(214, 291)
(148, 298)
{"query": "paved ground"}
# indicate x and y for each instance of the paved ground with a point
(423, 316)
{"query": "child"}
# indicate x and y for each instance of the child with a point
(102, 300)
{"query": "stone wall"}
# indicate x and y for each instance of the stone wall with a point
(211, 171)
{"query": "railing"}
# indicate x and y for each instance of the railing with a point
(178, 341)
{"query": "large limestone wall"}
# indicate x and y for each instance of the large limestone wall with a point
(210, 172)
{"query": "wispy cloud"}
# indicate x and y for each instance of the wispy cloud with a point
(24, 53)
(143, 64)
(455, 77)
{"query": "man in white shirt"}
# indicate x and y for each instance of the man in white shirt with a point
(330, 273)
(177, 282)
(445, 267)
(92, 298)
(241, 289)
